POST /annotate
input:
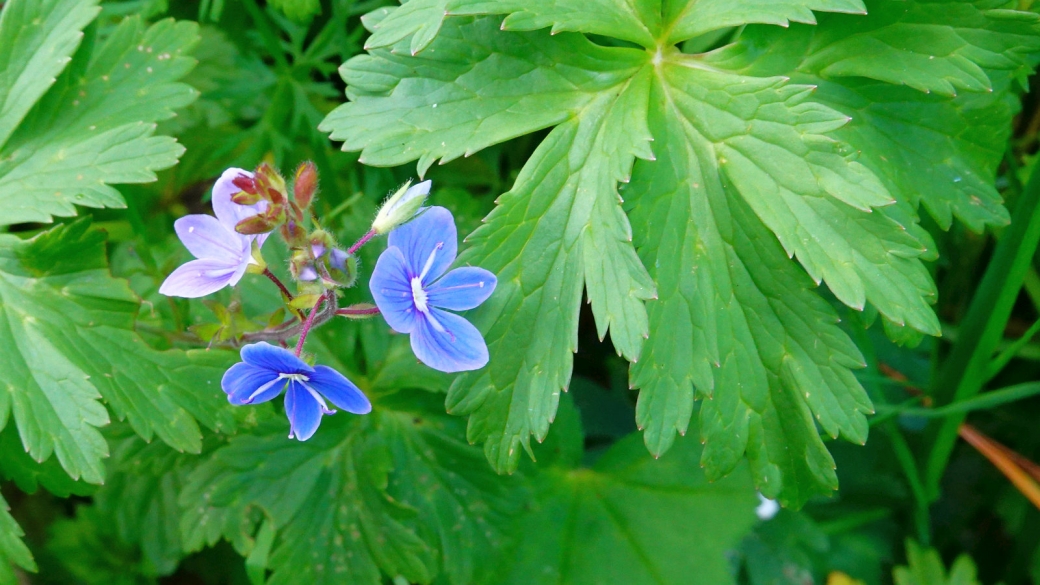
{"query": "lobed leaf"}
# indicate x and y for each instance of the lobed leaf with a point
(766, 150)
(397, 492)
(12, 550)
(95, 125)
(37, 40)
(69, 325)
(632, 519)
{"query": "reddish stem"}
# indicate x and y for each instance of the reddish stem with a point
(364, 240)
(349, 311)
(285, 292)
(307, 325)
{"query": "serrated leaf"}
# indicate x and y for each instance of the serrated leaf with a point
(739, 322)
(37, 39)
(941, 46)
(631, 519)
(69, 325)
(12, 550)
(95, 125)
(688, 19)
(16, 465)
(397, 492)
(899, 131)
(925, 567)
(762, 168)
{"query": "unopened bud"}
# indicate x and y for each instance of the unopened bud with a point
(270, 185)
(343, 268)
(245, 183)
(401, 207)
(257, 224)
(305, 185)
(245, 198)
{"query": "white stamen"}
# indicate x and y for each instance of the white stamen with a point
(437, 325)
(324, 407)
(419, 295)
(429, 261)
(262, 389)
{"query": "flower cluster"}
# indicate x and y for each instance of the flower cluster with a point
(412, 284)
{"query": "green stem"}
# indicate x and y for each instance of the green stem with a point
(271, 39)
(990, 399)
(905, 457)
(966, 368)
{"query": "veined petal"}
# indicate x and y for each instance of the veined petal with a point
(199, 278)
(392, 290)
(429, 243)
(462, 289)
(339, 390)
(274, 358)
(449, 343)
(248, 384)
(227, 211)
(303, 410)
(205, 237)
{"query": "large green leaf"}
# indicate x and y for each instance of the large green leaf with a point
(398, 492)
(630, 518)
(95, 125)
(733, 163)
(67, 327)
(37, 39)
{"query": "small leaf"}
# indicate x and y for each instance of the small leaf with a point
(925, 567)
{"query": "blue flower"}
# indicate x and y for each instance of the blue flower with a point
(266, 370)
(222, 254)
(411, 289)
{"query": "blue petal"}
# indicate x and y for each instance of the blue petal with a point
(462, 289)
(433, 231)
(274, 358)
(199, 278)
(243, 381)
(303, 410)
(339, 390)
(392, 290)
(458, 348)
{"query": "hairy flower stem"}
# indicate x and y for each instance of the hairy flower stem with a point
(309, 323)
(364, 240)
(356, 312)
(277, 282)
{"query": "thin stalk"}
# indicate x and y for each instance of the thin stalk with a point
(984, 401)
(285, 292)
(966, 368)
(994, 451)
(358, 312)
(364, 240)
(905, 457)
(309, 323)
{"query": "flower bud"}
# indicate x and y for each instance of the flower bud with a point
(245, 198)
(270, 185)
(257, 224)
(343, 268)
(245, 183)
(400, 207)
(305, 185)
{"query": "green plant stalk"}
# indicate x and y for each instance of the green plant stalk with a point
(990, 399)
(905, 457)
(967, 367)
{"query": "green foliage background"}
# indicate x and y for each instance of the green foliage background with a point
(804, 230)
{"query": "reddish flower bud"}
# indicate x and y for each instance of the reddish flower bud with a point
(305, 185)
(258, 224)
(245, 198)
(245, 183)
